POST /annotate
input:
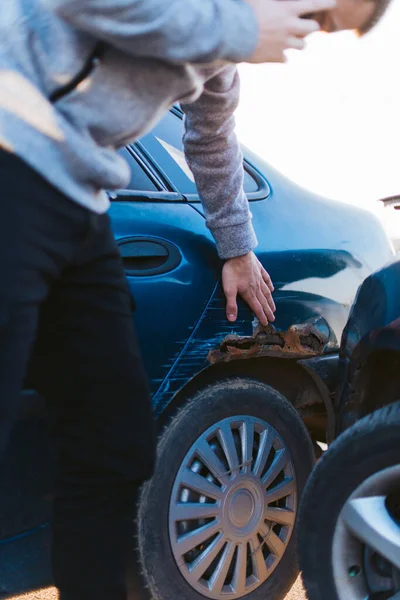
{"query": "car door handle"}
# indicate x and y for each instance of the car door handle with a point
(147, 256)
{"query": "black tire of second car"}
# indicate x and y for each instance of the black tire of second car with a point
(366, 448)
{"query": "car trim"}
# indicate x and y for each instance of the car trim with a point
(161, 177)
(156, 168)
(147, 166)
(140, 196)
(262, 193)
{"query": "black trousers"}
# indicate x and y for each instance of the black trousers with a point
(66, 325)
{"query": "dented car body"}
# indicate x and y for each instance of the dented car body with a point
(299, 341)
(318, 252)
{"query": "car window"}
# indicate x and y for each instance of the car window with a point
(165, 146)
(140, 181)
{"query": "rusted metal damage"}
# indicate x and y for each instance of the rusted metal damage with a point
(299, 341)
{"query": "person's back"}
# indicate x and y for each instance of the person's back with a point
(119, 98)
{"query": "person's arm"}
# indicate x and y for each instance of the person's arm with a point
(197, 31)
(213, 153)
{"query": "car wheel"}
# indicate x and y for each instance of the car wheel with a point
(349, 525)
(217, 519)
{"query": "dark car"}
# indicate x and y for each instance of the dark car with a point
(240, 409)
(391, 218)
(350, 537)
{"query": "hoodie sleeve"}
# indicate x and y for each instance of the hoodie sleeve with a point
(179, 31)
(214, 156)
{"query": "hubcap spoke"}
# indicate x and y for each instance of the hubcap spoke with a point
(279, 463)
(212, 461)
(205, 559)
(283, 516)
(218, 579)
(266, 441)
(287, 487)
(275, 544)
(247, 445)
(195, 538)
(258, 559)
(228, 445)
(187, 511)
(368, 519)
(239, 578)
(201, 485)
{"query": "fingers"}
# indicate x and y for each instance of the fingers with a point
(262, 304)
(267, 279)
(264, 301)
(296, 43)
(303, 27)
(305, 7)
(258, 309)
(260, 300)
(282, 25)
(267, 294)
(231, 304)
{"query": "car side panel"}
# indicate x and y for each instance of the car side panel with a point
(168, 305)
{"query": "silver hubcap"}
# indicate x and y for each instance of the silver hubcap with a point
(233, 508)
(366, 543)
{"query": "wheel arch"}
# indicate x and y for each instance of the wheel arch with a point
(294, 380)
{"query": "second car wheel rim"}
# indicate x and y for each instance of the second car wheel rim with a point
(233, 508)
(366, 543)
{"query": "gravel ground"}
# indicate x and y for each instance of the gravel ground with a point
(297, 593)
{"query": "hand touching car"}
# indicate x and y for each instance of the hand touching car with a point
(245, 275)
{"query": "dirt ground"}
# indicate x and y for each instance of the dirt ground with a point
(297, 593)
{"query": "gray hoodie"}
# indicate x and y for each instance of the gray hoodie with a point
(156, 53)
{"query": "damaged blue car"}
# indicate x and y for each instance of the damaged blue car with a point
(240, 409)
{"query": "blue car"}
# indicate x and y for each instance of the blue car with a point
(240, 409)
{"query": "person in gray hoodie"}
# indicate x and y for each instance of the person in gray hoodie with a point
(79, 79)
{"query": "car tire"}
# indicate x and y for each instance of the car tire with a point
(363, 463)
(244, 407)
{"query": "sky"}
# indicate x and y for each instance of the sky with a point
(329, 118)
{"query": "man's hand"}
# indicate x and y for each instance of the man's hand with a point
(281, 26)
(246, 276)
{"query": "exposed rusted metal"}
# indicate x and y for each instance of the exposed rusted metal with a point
(299, 341)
